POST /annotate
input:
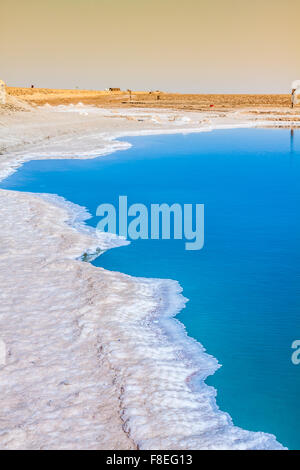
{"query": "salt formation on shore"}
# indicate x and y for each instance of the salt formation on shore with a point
(295, 91)
(2, 92)
(93, 358)
(57, 389)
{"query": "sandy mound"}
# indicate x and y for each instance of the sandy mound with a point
(14, 104)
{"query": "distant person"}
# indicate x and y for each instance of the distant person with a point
(293, 97)
(32, 86)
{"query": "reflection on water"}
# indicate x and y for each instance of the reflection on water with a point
(292, 141)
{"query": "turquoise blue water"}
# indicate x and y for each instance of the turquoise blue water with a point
(244, 285)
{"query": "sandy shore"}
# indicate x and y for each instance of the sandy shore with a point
(88, 363)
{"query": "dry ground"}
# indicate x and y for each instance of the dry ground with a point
(193, 102)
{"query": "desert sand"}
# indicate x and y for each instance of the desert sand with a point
(155, 99)
(86, 367)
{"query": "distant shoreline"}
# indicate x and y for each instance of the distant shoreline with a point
(153, 99)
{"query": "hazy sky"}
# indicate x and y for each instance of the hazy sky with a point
(198, 46)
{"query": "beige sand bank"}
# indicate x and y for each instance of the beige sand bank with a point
(154, 99)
